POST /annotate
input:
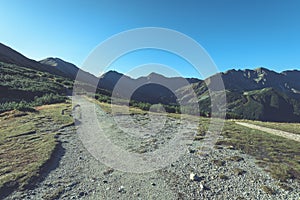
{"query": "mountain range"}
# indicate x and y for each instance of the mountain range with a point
(259, 94)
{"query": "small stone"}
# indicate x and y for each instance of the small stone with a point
(223, 176)
(192, 150)
(137, 194)
(108, 171)
(49, 185)
(121, 189)
(201, 187)
(239, 171)
(153, 184)
(73, 184)
(194, 177)
(81, 194)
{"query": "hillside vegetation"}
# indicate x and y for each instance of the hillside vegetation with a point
(278, 156)
(23, 88)
(266, 104)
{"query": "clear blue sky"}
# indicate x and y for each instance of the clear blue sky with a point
(236, 33)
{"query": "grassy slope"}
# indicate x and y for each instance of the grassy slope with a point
(25, 81)
(22, 88)
(22, 155)
(279, 156)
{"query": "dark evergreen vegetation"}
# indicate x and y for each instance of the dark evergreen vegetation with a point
(22, 88)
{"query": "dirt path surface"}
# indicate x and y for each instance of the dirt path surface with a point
(80, 176)
(280, 133)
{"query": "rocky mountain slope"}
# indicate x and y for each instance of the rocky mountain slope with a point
(70, 70)
(259, 94)
(153, 88)
(256, 94)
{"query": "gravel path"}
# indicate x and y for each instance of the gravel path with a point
(220, 174)
(280, 133)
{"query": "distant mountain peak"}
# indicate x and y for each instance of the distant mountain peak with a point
(69, 69)
(154, 75)
(55, 61)
(262, 70)
(111, 74)
(9, 55)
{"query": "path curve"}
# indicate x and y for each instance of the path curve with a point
(280, 133)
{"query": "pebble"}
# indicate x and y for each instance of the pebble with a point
(121, 189)
(81, 194)
(201, 187)
(194, 177)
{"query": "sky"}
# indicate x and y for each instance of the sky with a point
(237, 34)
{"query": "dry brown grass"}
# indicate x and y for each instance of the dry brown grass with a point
(25, 145)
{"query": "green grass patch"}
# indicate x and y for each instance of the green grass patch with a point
(24, 146)
(278, 156)
(288, 127)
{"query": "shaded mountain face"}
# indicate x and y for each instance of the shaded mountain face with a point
(259, 94)
(53, 66)
(248, 80)
(65, 67)
(153, 88)
(71, 71)
(20, 83)
(245, 80)
(10, 56)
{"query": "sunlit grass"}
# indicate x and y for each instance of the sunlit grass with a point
(288, 127)
(24, 146)
(278, 156)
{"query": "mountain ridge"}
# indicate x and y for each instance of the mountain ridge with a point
(260, 93)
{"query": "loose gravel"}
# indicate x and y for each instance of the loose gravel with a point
(220, 173)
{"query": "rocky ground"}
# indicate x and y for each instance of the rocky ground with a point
(221, 173)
